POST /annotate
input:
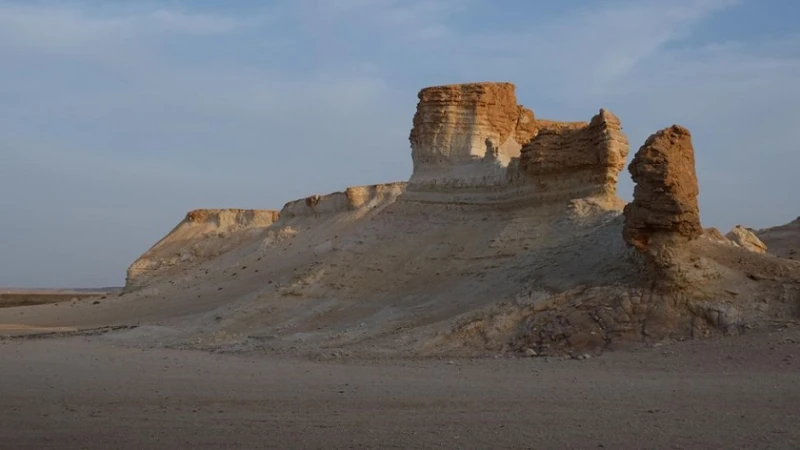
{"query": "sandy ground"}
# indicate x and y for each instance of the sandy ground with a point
(85, 392)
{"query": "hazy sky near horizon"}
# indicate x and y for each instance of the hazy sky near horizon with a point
(117, 117)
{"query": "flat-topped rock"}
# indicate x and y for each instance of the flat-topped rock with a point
(472, 143)
(467, 134)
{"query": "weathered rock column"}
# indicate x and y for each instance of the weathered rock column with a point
(664, 207)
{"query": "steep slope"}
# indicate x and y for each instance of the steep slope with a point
(201, 236)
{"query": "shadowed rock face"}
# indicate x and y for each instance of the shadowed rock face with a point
(665, 197)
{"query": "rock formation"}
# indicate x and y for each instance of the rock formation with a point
(508, 236)
(201, 236)
(576, 160)
(664, 203)
(351, 199)
(466, 134)
(713, 234)
(472, 143)
(746, 239)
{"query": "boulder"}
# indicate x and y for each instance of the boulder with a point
(746, 239)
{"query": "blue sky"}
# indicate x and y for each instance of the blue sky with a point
(117, 117)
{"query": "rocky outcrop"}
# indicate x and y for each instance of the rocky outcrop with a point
(353, 198)
(508, 236)
(471, 144)
(465, 135)
(664, 206)
(713, 234)
(201, 236)
(231, 218)
(746, 239)
(574, 159)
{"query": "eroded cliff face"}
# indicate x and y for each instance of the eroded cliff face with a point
(352, 198)
(664, 206)
(576, 160)
(201, 236)
(465, 135)
(472, 144)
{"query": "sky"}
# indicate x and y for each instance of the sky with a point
(118, 117)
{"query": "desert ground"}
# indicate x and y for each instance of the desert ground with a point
(88, 392)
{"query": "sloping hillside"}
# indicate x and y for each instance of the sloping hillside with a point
(508, 236)
(783, 240)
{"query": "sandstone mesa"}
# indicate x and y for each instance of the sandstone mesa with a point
(509, 236)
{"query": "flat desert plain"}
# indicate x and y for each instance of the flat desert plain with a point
(88, 392)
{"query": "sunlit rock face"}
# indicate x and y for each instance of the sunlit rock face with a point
(472, 143)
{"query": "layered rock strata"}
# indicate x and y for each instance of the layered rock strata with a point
(576, 160)
(353, 198)
(465, 135)
(472, 143)
(664, 206)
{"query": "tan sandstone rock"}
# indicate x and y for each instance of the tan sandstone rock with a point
(576, 159)
(746, 239)
(467, 134)
(472, 144)
(351, 199)
(665, 197)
